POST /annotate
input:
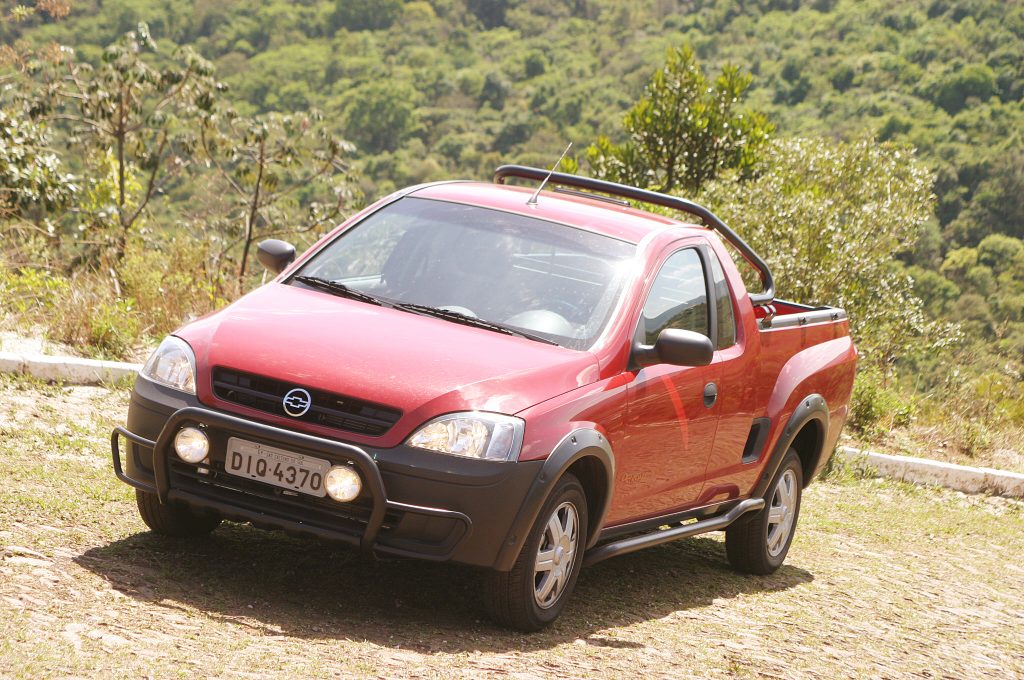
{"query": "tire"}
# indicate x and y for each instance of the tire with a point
(173, 520)
(529, 598)
(758, 544)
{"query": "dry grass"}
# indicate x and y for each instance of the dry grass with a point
(883, 580)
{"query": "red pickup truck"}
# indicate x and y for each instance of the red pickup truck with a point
(525, 381)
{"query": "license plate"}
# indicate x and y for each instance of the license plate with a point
(271, 465)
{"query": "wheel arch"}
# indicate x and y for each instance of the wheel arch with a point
(805, 431)
(585, 453)
(809, 443)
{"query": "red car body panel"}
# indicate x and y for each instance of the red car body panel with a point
(420, 365)
(671, 452)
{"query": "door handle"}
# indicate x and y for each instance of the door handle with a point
(710, 394)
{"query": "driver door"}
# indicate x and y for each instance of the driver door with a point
(670, 426)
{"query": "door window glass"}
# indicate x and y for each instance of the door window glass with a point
(678, 298)
(723, 306)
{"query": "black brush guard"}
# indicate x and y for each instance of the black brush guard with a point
(371, 477)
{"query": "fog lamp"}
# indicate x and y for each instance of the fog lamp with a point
(191, 445)
(342, 483)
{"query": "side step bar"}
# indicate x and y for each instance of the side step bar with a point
(659, 536)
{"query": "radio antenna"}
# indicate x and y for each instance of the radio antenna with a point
(533, 199)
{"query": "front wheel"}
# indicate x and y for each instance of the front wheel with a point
(534, 592)
(173, 520)
(758, 545)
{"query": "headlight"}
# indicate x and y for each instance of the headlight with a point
(474, 435)
(172, 364)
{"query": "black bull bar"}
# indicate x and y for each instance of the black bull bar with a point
(193, 416)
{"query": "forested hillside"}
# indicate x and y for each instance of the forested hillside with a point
(453, 88)
(430, 90)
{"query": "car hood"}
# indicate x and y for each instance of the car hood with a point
(420, 365)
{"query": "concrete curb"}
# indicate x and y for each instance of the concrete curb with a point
(67, 369)
(926, 471)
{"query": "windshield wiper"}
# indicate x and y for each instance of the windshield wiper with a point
(341, 290)
(456, 317)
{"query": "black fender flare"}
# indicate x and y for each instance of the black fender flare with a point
(578, 444)
(811, 408)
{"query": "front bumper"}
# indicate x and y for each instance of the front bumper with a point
(414, 503)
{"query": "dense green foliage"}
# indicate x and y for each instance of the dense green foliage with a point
(453, 88)
(684, 131)
(828, 220)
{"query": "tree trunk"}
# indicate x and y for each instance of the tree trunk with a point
(254, 207)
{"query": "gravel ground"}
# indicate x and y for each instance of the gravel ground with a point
(883, 580)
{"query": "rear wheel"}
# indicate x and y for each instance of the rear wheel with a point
(173, 520)
(534, 592)
(758, 544)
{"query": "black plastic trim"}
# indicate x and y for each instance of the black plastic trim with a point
(438, 507)
(707, 217)
(576, 445)
(812, 407)
(756, 440)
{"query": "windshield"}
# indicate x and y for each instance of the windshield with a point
(544, 278)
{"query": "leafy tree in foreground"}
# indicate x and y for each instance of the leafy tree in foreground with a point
(830, 218)
(684, 131)
(132, 108)
(31, 175)
(267, 164)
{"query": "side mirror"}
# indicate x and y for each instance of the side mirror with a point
(676, 347)
(275, 255)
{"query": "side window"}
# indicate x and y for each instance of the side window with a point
(723, 305)
(678, 298)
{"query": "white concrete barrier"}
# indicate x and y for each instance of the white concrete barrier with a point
(927, 471)
(67, 369)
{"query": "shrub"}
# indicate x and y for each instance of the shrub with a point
(877, 406)
(91, 318)
(28, 291)
(170, 282)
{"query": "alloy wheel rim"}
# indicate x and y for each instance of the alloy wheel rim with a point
(781, 513)
(555, 555)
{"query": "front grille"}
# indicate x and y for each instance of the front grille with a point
(328, 409)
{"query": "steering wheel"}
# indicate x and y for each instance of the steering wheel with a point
(564, 308)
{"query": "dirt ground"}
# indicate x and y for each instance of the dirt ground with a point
(883, 580)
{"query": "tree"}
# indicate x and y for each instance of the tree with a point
(380, 116)
(33, 180)
(133, 108)
(31, 174)
(684, 131)
(996, 206)
(268, 164)
(366, 15)
(829, 218)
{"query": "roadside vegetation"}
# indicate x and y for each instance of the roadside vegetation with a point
(87, 591)
(872, 153)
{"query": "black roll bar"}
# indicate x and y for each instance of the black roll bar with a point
(765, 297)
